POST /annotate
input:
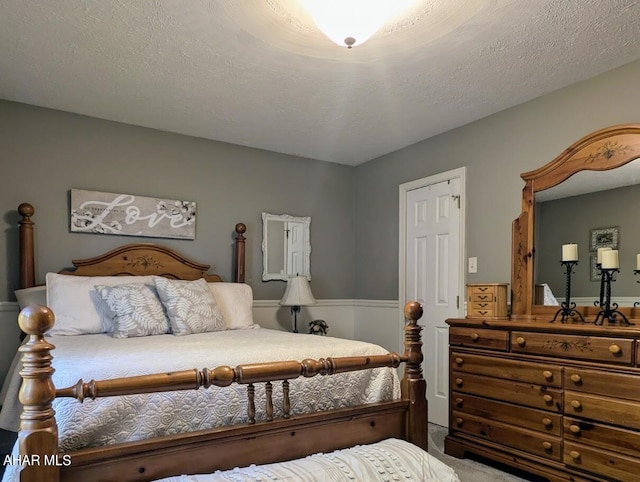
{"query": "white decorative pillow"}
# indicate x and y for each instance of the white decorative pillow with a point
(78, 307)
(32, 296)
(236, 304)
(136, 310)
(190, 305)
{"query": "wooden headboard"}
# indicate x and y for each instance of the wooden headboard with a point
(130, 259)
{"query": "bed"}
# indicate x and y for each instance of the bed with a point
(152, 416)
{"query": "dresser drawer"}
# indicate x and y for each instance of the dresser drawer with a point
(604, 409)
(529, 441)
(479, 337)
(526, 394)
(619, 385)
(530, 418)
(538, 373)
(479, 312)
(594, 348)
(601, 462)
(605, 436)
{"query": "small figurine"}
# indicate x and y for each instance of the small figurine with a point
(318, 327)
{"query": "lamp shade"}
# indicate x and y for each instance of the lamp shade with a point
(298, 293)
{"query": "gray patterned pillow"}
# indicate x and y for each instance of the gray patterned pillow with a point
(190, 305)
(136, 310)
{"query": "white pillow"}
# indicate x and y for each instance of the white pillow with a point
(136, 310)
(236, 304)
(78, 307)
(190, 305)
(32, 296)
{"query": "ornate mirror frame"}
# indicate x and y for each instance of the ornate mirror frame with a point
(601, 150)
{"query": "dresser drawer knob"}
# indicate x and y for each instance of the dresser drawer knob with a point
(547, 446)
(574, 428)
(548, 399)
(459, 361)
(547, 422)
(575, 455)
(576, 404)
(459, 382)
(575, 378)
(475, 337)
(547, 375)
(521, 341)
(459, 422)
(459, 402)
(615, 349)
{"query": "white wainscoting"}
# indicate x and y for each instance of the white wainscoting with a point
(10, 335)
(374, 321)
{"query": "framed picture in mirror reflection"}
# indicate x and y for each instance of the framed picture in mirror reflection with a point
(593, 268)
(604, 238)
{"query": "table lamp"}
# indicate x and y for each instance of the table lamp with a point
(296, 294)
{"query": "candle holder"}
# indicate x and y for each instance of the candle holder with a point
(608, 311)
(568, 308)
(636, 272)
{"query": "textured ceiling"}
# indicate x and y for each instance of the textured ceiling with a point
(258, 73)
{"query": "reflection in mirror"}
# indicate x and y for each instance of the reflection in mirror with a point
(286, 246)
(567, 213)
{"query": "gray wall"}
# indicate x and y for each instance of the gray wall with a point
(570, 220)
(44, 153)
(496, 150)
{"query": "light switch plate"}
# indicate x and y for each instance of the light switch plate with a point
(473, 265)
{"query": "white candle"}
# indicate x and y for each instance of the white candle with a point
(570, 252)
(637, 261)
(610, 259)
(600, 251)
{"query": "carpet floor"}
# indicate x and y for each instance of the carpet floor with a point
(474, 469)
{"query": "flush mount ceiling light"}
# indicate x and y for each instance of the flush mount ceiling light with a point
(353, 22)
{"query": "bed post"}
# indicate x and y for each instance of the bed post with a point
(239, 253)
(27, 265)
(413, 384)
(38, 436)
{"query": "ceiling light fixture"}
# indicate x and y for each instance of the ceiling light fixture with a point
(352, 22)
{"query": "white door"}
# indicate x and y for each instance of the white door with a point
(433, 253)
(294, 248)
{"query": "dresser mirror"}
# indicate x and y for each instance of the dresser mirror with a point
(286, 246)
(607, 159)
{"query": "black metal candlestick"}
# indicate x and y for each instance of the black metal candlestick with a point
(608, 311)
(636, 272)
(568, 307)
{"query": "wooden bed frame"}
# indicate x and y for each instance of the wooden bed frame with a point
(256, 442)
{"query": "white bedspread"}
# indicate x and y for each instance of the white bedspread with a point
(136, 417)
(391, 459)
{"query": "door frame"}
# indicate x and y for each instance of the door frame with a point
(460, 173)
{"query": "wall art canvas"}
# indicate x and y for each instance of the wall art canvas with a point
(604, 238)
(130, 215)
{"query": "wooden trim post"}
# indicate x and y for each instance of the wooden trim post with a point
(38, 437)
(27, 264)
(413, 384)
(239, 259)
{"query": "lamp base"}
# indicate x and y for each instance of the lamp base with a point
(294, 313)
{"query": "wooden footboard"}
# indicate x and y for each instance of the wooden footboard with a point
(205, 451)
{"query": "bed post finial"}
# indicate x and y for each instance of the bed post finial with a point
(38, 429)
(239, 253)
(413, 385)
(27, 265)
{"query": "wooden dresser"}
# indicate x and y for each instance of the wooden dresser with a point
(557, 400)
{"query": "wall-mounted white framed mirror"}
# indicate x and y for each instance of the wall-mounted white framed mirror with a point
(286, 246)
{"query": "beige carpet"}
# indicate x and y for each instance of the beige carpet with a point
(471, 470)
